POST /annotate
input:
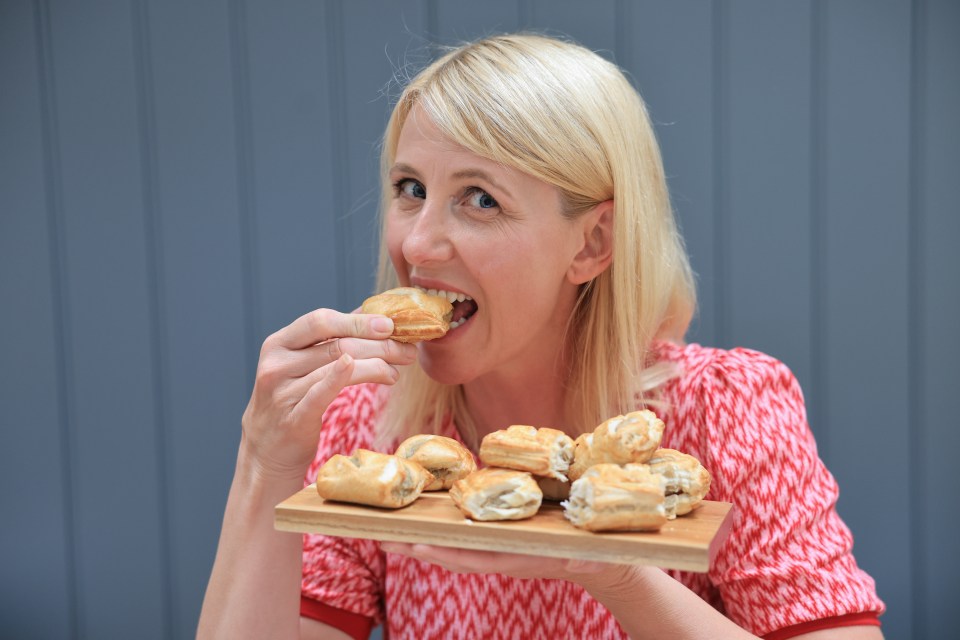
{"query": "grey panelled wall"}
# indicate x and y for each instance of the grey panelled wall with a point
(179, 179)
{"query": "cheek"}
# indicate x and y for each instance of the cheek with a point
(394, 236)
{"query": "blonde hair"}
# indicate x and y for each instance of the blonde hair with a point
(561, 113)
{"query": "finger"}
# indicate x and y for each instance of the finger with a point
(457, 560)
(323, 324)
(585, 566)
(331, 380)
(373, 370)
(314, 357)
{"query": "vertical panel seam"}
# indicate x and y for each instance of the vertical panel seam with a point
(622, 17)
(338, 146)
(525, 13)
(153, 243)
(61, 307)
(720, 191)
(818, 248)
(915, 338)
(431, 13)
(239, 61)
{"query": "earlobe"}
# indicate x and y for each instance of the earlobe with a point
(596, 252)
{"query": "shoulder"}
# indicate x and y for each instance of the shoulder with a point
(728, 380)
(723, 369)
(736, 407)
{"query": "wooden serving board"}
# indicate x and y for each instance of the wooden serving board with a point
(687, 543)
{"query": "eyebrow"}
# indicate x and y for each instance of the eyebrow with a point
(459, 175)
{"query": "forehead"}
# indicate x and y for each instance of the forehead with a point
(420, 136)
(425, 149)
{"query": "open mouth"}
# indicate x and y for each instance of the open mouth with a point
(463, 305)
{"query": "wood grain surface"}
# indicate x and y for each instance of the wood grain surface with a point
(687, 543)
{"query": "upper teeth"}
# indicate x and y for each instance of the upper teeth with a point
(451, 296)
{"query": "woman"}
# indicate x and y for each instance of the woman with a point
(522, 172)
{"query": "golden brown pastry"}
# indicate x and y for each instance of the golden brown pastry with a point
(416, 315)
(609, 497)
(623, 439)
(497, 494)
(543, 452)
(687, 482)
(371, 478)
(445, 458)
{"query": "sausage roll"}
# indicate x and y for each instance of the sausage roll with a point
(416, 315)
(497, 494)
(687, 482)
(445, 458)
(542, 452)
(624, 439)
(609, 497)
(371, 478)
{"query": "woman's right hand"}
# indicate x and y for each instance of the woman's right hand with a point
(302, 368)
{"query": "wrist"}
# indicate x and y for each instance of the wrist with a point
(618, 581)
(257, 477)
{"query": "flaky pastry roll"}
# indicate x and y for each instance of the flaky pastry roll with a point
(623, 439)
(609, 497)
(543, 452)
(497, 494)
(416, 315)
(687, 481)
(445, 458)
(371, 478)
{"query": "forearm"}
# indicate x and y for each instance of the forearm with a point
(254, 588)
(648, 603)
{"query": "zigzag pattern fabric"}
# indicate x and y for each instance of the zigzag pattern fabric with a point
(787, 560)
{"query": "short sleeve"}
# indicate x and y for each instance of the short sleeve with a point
(343, 573)
(788, 559)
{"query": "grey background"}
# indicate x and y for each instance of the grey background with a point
(179, 179)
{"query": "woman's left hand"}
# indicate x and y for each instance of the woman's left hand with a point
(511, 564)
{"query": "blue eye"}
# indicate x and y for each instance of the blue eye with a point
(482, 200)
(411, 188)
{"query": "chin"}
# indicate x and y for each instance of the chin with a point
(442, 371)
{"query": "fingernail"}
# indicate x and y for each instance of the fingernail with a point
(343, 363)
(382, 325)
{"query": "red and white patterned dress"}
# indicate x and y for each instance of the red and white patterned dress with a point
(785, 569)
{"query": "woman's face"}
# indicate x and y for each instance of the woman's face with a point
(463, 224)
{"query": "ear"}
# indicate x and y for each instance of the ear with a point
(596, 251)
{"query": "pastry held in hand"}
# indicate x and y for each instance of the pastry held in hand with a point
(687, 482)
(497, 494)
(621, 440)
(610, 497)
(416, 315)
(542, 452)
(445, 458)
(371, 478)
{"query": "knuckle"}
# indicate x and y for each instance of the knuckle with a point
(320, 319)
(359, 326)
(269, 344)
(334, 349)
(270, 372)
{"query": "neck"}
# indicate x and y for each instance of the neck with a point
(501, 399)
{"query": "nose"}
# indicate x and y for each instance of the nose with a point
(428, 240)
